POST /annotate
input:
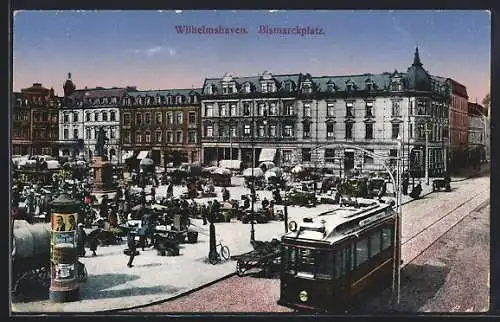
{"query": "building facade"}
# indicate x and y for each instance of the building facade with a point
(44, 121)
(162, 124)
(21, 125)
(301, 119)
(459, 128)
(478, 140)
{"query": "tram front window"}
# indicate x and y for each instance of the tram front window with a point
(306, 263)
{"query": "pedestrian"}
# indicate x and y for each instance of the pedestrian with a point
(131, 248)
(93, 242)
(204, 213)
(81, 237)
(170, 190)
(265, 203)
(113, 218)
(153, 194)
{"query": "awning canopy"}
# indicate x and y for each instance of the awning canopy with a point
(267, 155)
(142, 155)
(230, 164)
(127, 155)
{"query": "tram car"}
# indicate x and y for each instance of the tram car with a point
(336, 259)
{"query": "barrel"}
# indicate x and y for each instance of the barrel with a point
(30, 240)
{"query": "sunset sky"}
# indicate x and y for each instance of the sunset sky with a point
(143, 49)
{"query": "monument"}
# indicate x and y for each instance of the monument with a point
(103, 170)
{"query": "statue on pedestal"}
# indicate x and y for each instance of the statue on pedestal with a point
(101, 142)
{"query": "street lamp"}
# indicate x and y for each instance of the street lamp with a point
(398, 217)
(252, 229)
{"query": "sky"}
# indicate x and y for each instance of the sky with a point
(144, 49)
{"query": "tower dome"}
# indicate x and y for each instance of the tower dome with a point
(68, 86)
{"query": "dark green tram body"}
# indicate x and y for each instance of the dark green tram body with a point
(341, 256)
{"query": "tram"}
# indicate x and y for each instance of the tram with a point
(339, 257)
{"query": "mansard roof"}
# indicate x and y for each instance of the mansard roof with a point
(165, 92)
(381, 81)
(254, 80)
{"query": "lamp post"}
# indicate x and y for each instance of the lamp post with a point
(252, 229)
(398, 217)
(426, 154)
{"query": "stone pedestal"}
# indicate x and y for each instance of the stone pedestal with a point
(103, 176)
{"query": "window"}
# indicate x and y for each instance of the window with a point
(326, 264)
(247, 130)
(368, 131)
(96, 117)
(396, 109)
(272, 131)
(147, 118)
(178, 137)
(192, 137)
(410, 130)
(232, 111)
(290, 259)
(222, 110)
(138, 137)
(75, 117)
(361, 251)
(307, 110)
(329, 155)
(65, 118)
(66, 134)
(232, 131)
(126, 118)
(180, 117)
(288, 131)
(306, 88)
(369, 109)
(192, 117)
(307, 130)
(349, 87)
(329, 130)
(139, 100)
(287, 155)
(247, 88)
(112, 116)
(104, 116)
(158, 117)
(367, 158)
(262, 109)
(264, 87)
(170, 118)
(158, 136)
(88, 134)
(209, 131)
(138, 118)
(331, 87)
(330, 109)
(112, 133)
(126, 136)
(170, 137)
(340, 262)
(393, 154)
(208, 110)
(179, 99)
(386, 238)
(75, 134)
(349, 109)
(288, 109)
(305, 262)
(395, 130)
(273, 109)
(158, 99)
(169, 99)
(262, 130)
(306, 155)
(369, 86)
(348, 130)
(246, 109)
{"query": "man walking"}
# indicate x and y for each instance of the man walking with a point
(131, 248)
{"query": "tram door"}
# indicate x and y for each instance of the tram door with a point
(348, 161)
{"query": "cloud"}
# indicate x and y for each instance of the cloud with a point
(156, 50)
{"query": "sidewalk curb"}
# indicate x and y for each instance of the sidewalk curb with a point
(173, 297)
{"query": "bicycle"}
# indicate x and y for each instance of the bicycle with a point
(221, 252)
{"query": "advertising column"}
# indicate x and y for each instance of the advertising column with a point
(64, 283)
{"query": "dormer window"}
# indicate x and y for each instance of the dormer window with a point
(126, 101)
(114, 100)
(396, 85)
(331, 87)
(349, 86)
(169, 99)
(307, 87)
(369, 86)
(193, 99)
(288, 86)
(247, 88)
(209, 89)
(148, 100)
(158, 99)
(264, 88)
(178, 99)
(139, 100)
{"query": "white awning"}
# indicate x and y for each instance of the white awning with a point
(267, 155)
(127, 155)
(142, 155)
(230, 164)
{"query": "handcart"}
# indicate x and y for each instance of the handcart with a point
(265, 256)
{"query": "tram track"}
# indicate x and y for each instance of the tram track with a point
(436, 239)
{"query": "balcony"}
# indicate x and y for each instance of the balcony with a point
(247, 139)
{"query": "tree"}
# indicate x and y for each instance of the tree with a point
(486, 103)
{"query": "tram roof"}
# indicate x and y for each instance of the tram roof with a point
(342, 221)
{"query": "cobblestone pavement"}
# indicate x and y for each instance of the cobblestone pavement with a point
(112, 286)
(449, 275)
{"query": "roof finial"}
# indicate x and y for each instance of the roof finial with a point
(416, 60)
(69, 75)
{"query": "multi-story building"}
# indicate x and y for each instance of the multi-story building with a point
(44, 108)
(21, 125)
(312, 120)
(162, 124)
(71, 129)
(85, 112)
(459, 127)
(247, 115)
(478, 127)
